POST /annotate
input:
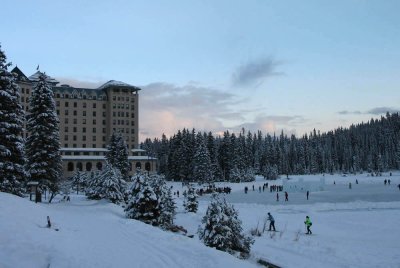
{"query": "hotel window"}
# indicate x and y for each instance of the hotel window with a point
(58, 112)
(84, 121)
(84, 104)
(27, 91)
(104, 122)
(74, 137)
(94, 146)
(114, 98)
(133, 115)
(23, 90)
(132, 123)
(75, 112)
(94, 130)
(74, 145)
(127, 114)
(94, 121)
(104, 138)
(104, 105)
(104, 130)
(104, 114)
(74, 129)
(84, 130)
(127, 98)
(66, 112)
(84, 113)
(66, 104)
(75, 104)
(66, 129)
(94, 113)
(114, 114)
(114, 105)
(66, 137)
(66, 120)
(94, 105)
(84, 146)
(58, 103)
(75, 121)
(84, 138)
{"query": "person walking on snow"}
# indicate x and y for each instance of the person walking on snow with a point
(286, 196)
(308, 223)
(308, 193)
(271, 222)
(277, 197)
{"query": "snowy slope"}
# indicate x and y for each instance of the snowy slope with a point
(351, 228)
(93, 234)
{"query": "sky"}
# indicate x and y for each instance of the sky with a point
(220, 65)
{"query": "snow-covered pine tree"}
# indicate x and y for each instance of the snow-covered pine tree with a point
(117, 154)
(201, 162)
(190, 202)
(112, 184)
(43, 142)
(222, 228)
(166, 204)
(143, 203)
(94, 186)
(12, 172)
(79, 181)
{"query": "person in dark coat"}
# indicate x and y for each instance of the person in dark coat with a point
(308, 193)
(271, 222)
(286, 196)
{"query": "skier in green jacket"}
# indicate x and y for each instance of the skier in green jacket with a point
(308, 223)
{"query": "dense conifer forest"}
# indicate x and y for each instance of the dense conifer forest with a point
(366, 147)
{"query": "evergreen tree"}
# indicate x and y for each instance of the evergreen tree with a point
(12, 172)
(143, 203)
(190, 202)
(166, 204)
(201, 162)
(79, 181)
(222, 228)
(117, 154)
(43, 143)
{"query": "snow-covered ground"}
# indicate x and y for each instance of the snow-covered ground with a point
(356, 227)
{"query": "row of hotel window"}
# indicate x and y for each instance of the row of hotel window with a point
(94, 121)
(66, 145)
(99, 166)
(94, 130)
(90, 97)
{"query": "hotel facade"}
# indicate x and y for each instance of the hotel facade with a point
(88, 117)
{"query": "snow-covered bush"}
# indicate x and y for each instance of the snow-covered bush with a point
(222, 228)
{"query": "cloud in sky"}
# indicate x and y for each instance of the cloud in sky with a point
(255, 72)
(165, 108)
(382, 110)
(374, 111)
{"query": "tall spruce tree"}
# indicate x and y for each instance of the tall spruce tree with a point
(12, 172)
(201, 163)
(190, 202)
(117, 154)
(43, 142)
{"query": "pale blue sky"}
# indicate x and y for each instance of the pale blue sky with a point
(214, 65)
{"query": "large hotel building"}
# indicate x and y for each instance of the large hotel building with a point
(88, 118)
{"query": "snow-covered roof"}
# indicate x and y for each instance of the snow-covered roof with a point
(102, 157)
(35, 77)
(64, 149)
(114, 83)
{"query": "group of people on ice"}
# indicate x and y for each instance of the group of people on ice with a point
(271, 220)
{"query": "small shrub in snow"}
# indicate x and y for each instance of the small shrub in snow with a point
(222, 228)
(190, 202)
